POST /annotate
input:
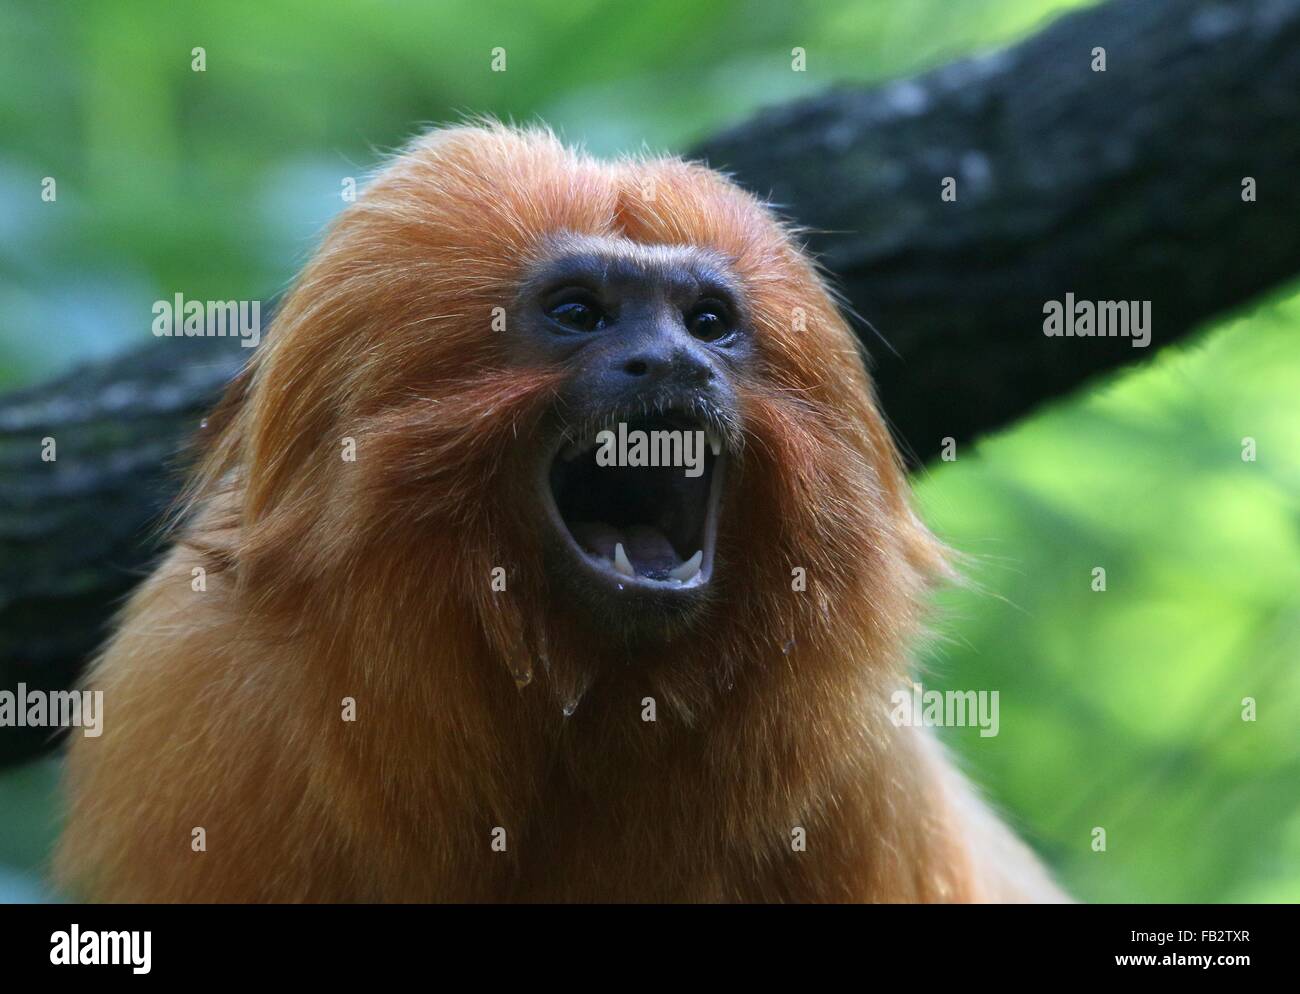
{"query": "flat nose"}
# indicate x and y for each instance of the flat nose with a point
(664, 363)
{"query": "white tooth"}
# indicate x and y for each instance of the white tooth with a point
(621, 562)
(715, 443)
(688, 569)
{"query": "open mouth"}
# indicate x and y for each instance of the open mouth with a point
(638, 501)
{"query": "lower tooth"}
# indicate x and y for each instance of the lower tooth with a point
(687, 569)
(621, 562)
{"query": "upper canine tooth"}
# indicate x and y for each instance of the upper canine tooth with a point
(621, 562)
(715, 443)
(687, 569)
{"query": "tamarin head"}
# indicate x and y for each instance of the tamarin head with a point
(427, 431)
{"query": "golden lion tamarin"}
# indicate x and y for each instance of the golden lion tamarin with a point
(418, 642)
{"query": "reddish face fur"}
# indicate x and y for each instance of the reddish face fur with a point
(480, 708)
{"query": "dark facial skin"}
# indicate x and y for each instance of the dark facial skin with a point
(653, 337)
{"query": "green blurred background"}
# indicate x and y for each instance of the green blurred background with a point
(1119, 710)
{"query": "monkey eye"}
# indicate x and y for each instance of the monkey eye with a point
(577, 313)
(709, 322)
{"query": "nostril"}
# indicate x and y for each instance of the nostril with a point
(636, 367)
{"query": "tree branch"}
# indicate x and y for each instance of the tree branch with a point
(1117, 185)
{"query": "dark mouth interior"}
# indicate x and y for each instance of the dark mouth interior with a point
(657, 513)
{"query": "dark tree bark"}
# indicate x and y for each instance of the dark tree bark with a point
(1116, 185)
(77, 532)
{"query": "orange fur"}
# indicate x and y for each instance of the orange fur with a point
(370, 579)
